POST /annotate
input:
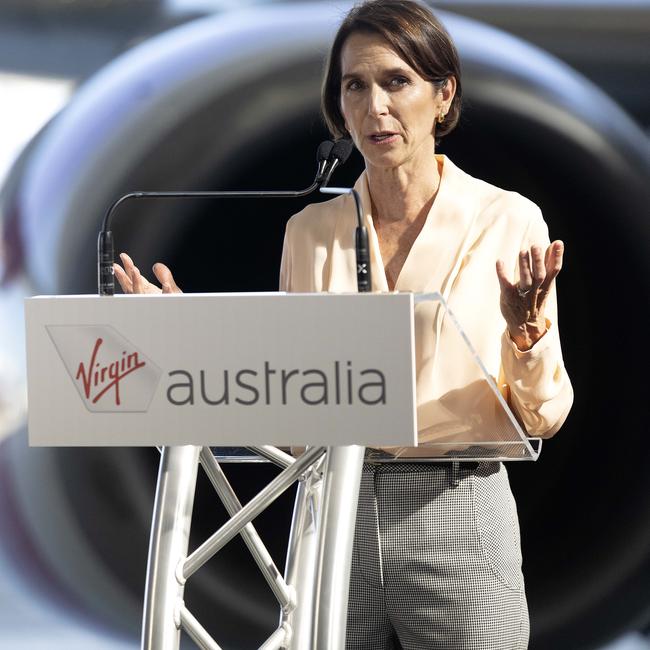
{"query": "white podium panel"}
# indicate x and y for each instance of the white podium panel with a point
(227, 369)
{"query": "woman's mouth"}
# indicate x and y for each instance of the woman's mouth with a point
(383, 138)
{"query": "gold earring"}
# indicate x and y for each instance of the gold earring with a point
(441, 118)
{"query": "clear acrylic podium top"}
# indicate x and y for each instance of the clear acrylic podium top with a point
(462, 415)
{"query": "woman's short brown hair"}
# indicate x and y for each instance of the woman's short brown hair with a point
(415, 34)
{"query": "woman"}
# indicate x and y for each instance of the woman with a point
(436, 560)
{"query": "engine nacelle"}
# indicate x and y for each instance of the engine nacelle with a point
(231, 102)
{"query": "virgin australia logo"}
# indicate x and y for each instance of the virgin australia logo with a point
(98, 379)
(108, 371)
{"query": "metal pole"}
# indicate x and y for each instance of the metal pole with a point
(196, 631)
(274, 454)
(300, 571)
(170, 532)
(337, 523)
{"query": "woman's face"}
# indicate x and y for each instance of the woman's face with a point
(389, 109)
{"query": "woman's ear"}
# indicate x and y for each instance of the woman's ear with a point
(448, 91)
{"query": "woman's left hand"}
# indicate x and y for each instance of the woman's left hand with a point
(522, 304)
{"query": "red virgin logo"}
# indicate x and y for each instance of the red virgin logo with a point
(98, 379)
(108, 371)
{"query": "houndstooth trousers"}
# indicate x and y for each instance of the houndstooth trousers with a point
(436, 561)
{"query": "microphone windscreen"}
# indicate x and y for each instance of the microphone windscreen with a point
(341, 150)
(324, 150)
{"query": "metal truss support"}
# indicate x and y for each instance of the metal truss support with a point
(314, 594)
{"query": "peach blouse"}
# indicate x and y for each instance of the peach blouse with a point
(471, 224)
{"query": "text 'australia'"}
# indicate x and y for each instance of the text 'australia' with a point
(341, 384)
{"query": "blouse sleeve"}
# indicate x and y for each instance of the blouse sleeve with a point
(285, 263)
(540, 391)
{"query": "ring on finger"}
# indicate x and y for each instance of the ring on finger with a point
(523, 292)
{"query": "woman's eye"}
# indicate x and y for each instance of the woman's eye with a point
(398, 82)
(354, 84)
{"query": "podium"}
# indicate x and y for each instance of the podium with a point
(334, 374)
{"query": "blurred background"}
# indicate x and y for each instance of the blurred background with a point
(102, 97)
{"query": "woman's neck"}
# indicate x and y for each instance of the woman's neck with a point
(403, 193)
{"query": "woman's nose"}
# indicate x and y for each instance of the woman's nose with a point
(377, 101)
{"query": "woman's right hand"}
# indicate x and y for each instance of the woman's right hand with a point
(132, 281)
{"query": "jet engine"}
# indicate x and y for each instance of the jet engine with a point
(231, 102)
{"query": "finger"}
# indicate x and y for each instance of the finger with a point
(554, 260)
(139, 284)
(547, 255)
(127, 262)
(136, 278)
(525, 276)
(165, 277)
(557, 256)
(539, 270)
(123, 279)
(128, 268)
(504, 283)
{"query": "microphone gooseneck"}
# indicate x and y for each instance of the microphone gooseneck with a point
(327, 156)
(361, 244)
(340, 153)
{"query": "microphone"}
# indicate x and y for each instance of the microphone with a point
(328, 157)
(340, 153)
(322, 158)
